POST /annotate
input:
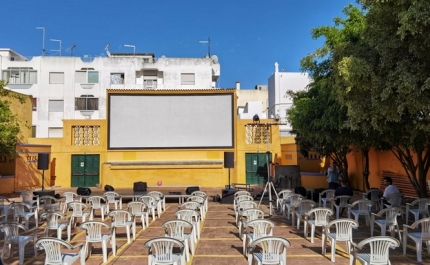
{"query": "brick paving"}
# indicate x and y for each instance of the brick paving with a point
(219, 243)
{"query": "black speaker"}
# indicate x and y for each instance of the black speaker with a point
(83, 191)
(140, 186)
(109, 188)
(43, 161)
(191, 189)
(228, 196)
(228, 159)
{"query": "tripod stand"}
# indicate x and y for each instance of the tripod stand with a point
(269, 186)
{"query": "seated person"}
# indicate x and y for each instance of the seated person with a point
(390, 189)
(343, 190)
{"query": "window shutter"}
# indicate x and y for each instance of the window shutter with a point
(187, 79)
(56, 78)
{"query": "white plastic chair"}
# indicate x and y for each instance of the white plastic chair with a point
(240, 198)
(29, 198)
(272, 250)
(300, 209)
(343, 233)
(317, 217)
(22, 210)
(97, 203)
(4, 206)
(159, 196)
(374, 195)
(254, 230)
(79, 210)
(69, 197)
(389, 221)
(201, 194)
(193, 217)
(200, 200)
(13, 236)
(151, 202)
(52, 248)
(242, 206)
(422, 209)
(325, 196)
(48, 204)
(360, 208)
(53, 223)
(113, 198)
(123, 219)
(138, 208)
(248, 215)
(176, 229)
(417, 236)
(379, 250)
(160, 251)
(289, 203)
(241, 192)
(394, 200)
(282, 196)
(193, 206)
(94, 235)
(343, 203)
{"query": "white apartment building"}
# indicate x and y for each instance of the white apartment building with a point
(66, 87)
(279, 101)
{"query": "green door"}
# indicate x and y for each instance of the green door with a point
(256, 168)
(85, 170)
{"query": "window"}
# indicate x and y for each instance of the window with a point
(56, 106)
(86, 102)
(150, 83)
(187, 79)
(117, 78)
(17, 75)
(34, 102)
(55, 132)
(56, 78)
(87, 76)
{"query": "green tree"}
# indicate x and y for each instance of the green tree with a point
(9, 124)
(386, 84)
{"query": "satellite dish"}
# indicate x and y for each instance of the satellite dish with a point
(214, 58)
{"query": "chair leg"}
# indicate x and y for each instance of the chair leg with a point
(333, 250)
(127, 229)
(312, 233)
(104, 250)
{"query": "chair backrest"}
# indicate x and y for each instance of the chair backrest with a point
(137, 207)
(243, 198)
(120, 217)
(94, 230)
(390, 215)
(176, 228)
(342, 201)
(190, 205)
(52, 219)
(110, 196)
(373, 194)
(26, 196)
(149, 200)
(304, 206)
(395, 199)
(294, 199)
(260, 228)
(156, 194)
(52, 247)
(343, 228)
(11, 230)
(3, 200)
(425, 228)
(96, 201)
(47, 201)
(194, 198)
(251, 214)
(77, 208)
(284, 193)
(362, 205)
(199, 193)
(69, 196)
(188, 215)
(422, 204)
(379, 248)
(246, 205)
(320, 215)
(241, 192)
(161, 248)
(20, 208)
(328, 194)
(272, 248)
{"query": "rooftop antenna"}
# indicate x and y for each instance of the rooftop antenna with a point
(208, 42)
(131, 46)
(107, 50)
(43, 40)
(58, 51)
(71, 49)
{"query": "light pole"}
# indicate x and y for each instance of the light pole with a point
(60, 46)
(131, 46)
(43, 40)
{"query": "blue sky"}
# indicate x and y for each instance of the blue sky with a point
(247, 36)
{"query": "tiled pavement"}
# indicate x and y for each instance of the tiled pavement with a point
(219, 243)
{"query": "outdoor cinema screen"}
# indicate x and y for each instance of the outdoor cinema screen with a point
(150, 121)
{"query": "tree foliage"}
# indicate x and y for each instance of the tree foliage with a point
(9, 123)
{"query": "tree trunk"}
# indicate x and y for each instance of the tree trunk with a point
(366, 171)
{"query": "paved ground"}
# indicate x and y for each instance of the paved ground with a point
(219, 243)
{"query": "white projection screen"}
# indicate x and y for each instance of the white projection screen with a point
(151, 121)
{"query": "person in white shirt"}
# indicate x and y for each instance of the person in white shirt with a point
(390, 189)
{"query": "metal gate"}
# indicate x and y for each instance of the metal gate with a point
(256, 168)
(85, 170)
